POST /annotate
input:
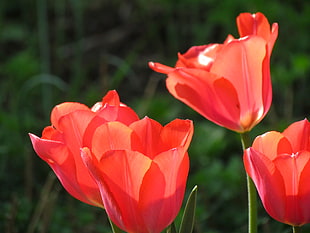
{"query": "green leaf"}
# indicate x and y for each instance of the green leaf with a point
(114, 228)
(187, 223)
(172, 228)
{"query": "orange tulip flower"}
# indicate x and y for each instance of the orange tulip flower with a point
(72, 127)
(141, 170)
(279, 165)
(227, 83)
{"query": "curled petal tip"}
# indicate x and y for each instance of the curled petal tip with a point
(275, 27)
(34, 138)
(160, 67)
(152, 65)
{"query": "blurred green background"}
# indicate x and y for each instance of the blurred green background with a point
(75, 50)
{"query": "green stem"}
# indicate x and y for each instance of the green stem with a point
(252, 205)
(296, 229)
(252, 195)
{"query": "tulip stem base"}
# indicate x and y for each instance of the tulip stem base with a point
(297, 229)
(252, 195)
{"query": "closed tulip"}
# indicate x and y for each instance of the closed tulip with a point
(141, 170)
(72, 126)
(279, 165)
(227, 83)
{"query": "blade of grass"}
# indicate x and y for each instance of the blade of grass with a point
(172, 228)
(43, 30)
(114, 228)
(188, 218)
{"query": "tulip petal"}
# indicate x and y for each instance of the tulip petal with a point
(199, 57)
(228, 39)
(126, 115)
(177, 133)
(148, 131)
(298, 134)
(63, 109)
(152, 200)
(113, 110)
(160, 67)
(257, 24)
(111, 136)
(51, 133)
(267, 180)
(57, 156)
(266, 85)
(240, 61)
(291, 167)
(199, 90)
(304, 189)
(45, 148)
(161, 198)
(111, 98)
(228, 101)
(273, 37)
(119, 175)
(73, 126)
(253, 24)
(122, 114)
(272, 144)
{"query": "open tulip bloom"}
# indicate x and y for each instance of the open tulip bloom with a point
(106, 156)
(227, 83)
(141, 171)
(72, 126)
(279, 165)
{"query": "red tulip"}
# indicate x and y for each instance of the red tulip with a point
(73, 125)
(141, 170)
(227, 83)
(279, 165)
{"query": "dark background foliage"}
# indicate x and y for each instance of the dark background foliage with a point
(75, 50)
